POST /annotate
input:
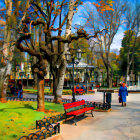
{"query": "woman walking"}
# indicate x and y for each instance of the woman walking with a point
(123, 93)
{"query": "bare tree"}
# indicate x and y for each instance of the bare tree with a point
(48, 53)
(111, 21)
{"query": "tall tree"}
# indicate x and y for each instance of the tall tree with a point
(47, 17)
(129, 51)
(47, 52)
(5, 60)
(109, 19)
(8, 45)
(133, 25)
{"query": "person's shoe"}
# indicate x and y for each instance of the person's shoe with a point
(124, 104)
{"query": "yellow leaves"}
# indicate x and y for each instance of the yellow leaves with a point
(27, 4)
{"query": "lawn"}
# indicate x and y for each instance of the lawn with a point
(47, 91)
(17, 118)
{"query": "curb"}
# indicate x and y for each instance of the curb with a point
(55, 137)
(100, 110)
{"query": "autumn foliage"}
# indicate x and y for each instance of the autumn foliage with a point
(104, 5)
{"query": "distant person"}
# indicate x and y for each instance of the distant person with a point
(20, 91)
(123, 93)
(84, 88)
(13, 89)
(77, 87)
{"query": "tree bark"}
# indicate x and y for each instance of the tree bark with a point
(60, 83)
(55, 82)
(35, 74)
(62, 68)
(4, 75)
(40, 95)
(5, 68)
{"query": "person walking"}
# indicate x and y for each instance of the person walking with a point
(123, 93)
(84, 88)
(20, 92)
(13, 89)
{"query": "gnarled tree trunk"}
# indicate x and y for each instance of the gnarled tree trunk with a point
(40, 95)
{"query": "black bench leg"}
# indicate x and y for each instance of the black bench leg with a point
(92, 113)
(74, 120)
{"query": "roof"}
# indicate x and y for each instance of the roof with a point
(81, 65)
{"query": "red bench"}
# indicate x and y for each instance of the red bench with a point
(76, 108)
(78, 91)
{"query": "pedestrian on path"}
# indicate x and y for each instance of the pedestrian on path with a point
(20, 92)
(83, 87)
(123, 93)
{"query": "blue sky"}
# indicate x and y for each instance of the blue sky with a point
(116, 44)
(77, 19)
(80, 21)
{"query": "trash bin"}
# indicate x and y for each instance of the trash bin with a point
(108, 97)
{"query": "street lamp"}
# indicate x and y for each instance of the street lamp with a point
(68, 56)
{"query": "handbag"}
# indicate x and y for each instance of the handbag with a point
(120, 99)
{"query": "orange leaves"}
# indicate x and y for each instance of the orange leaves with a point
(3, 9)
(77, 9)
(104, 5)
(2, 100)
(97, 5)
(2, 22)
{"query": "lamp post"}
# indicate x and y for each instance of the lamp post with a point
(68, 56)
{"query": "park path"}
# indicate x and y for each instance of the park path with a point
(122, 123)
(90, 97)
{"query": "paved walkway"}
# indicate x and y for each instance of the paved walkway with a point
(122, 123)
(90, 97)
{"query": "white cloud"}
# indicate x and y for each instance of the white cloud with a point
(116, 44)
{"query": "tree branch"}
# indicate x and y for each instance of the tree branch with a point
(40, 10)
(26, 49)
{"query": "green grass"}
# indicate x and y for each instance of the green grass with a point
(47, 91)
(17, 118)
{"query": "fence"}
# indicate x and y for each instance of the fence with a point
(94, 104)
(43, 134)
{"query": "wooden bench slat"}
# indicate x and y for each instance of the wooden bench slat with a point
(74, 104)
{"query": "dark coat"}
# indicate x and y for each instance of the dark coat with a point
(123, 93)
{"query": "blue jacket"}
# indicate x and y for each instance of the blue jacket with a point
(123, 93)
